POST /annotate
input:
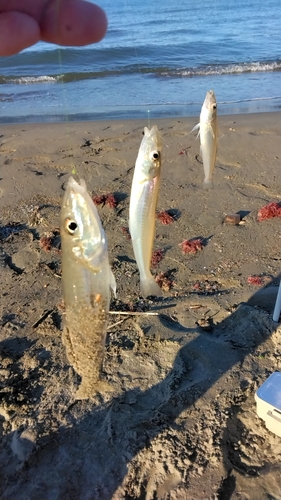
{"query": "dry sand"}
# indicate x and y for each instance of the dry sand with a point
(181, 422)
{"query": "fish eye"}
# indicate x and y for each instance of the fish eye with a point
(214, 106)
(155, 155)
(70, 226)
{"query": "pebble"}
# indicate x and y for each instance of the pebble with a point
(232, 219)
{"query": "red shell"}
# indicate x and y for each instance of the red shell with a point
(165, 217)
(192, 246)
(269, 211)
(111, 200)
(255, 280)
(156, 257)
(99, 200)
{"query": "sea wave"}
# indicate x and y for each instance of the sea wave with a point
(220, 69)
(27, 80)
(134, 69)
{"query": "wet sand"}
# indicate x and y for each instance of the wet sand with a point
(181, 421)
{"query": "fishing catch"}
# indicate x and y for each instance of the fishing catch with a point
(143, 200)
(208, 132)
(86, 282)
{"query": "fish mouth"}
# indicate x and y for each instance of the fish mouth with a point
(211, 97)
(151, 145)
(74, 191)
(210, 100)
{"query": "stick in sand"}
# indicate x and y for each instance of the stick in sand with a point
(135, 313)
(277, 308)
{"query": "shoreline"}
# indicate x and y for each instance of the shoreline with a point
(151, 111)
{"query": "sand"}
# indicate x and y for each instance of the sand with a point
(181, 421)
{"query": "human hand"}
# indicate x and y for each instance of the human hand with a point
(64, 22)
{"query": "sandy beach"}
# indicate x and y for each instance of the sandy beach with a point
(181, 422)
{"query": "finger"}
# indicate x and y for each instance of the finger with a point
(73, 22)
(17, 31)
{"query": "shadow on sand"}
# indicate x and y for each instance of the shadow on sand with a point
(88, 456)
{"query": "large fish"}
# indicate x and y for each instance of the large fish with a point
(144, 194)
(86, 282)
(208, 131)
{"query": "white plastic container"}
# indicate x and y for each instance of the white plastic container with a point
(268, 398)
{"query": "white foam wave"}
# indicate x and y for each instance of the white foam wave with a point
(34, 79)
(226, 70)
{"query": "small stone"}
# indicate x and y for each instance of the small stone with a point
(244, 384)
(205, 324)
(232, 219)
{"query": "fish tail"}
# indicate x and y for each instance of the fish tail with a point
(89, 390)
(149, 287)
(208, 184)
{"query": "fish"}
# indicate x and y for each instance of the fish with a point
(208, 132)
(87, 281)
(142, 211)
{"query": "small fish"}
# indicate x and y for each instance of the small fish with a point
(208, 131)
(86, 282)
(143, 200)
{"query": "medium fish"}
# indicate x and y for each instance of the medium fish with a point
(86, 282)
(208, 131)
(143, 200)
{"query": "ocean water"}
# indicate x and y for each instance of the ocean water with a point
(158, 58)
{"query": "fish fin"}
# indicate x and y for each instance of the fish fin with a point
(146, 130)
(197, 127)
(112, 283)
(149, 287)
(208, 184)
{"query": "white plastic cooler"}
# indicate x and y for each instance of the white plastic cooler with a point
(268, 398)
